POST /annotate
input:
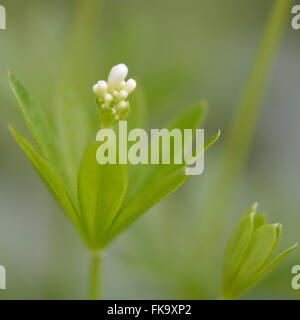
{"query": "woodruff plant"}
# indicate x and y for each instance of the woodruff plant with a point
(249, 254)
(103, 200)
(100, 200)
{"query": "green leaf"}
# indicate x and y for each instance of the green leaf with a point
(266, 269)
(190, 118)
(259, 220)
(141, 175)
(237, 247)
(138, 106)
(49, 176)
(249, 253)
(207, 145)
(157, 181)
(136, 119)
(271, 265)
(278, 231)
(41, 130)
(259, 250)
(144, 200)
(101, 190)
(75, 131)
(257, 254)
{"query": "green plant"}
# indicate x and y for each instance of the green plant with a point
(100, 200)
(65, 159)
(249, 254)
(198, 275)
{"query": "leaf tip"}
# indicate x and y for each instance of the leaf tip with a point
(11, 128)
(204, 104)
(10, 74)
(294, 246)
(255, 206)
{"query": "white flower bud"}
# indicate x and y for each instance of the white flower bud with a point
(117, 74)
(112, 95)
(122, 105)
(108, 97)
(102, 85)
(123, 94)
(130, 85)
(100, 88)
(95, 87)
(105, 106)
(115, 93)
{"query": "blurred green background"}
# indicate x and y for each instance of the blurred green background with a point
(180, 51)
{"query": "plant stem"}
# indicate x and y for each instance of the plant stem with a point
(239, 140)
(240, 136)
(82, 44)
(95, 276)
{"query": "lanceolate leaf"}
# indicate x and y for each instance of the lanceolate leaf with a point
(136, 119)
(75, 130)
(190, 118)
(270, 266)
(138, 106)
(164, 170)
(155, 188)
(249, 253)
(101, 189)
(141, 175)
(261, 274)
(40, 128)
(258, 252)
(148, 197)
(160, 180)
(259, 220)
(206, 146)
(278, 231)
(237, 247)
(49, 177)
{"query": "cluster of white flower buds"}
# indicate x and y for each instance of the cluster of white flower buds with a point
(112, 95)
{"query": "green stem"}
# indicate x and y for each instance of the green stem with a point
(95, 276)
(240, 137)
(81, 45)
(241, 134)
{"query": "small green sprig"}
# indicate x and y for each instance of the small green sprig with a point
(249, 254)
(107, 199)
(100, 200)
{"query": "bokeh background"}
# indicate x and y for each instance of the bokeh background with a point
(180, 51)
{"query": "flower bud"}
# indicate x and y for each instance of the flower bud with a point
(108, 97)
(122, 105)
(122, 95)
(130, 85)
(117, 74)
(100, 88)
(112, 95)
